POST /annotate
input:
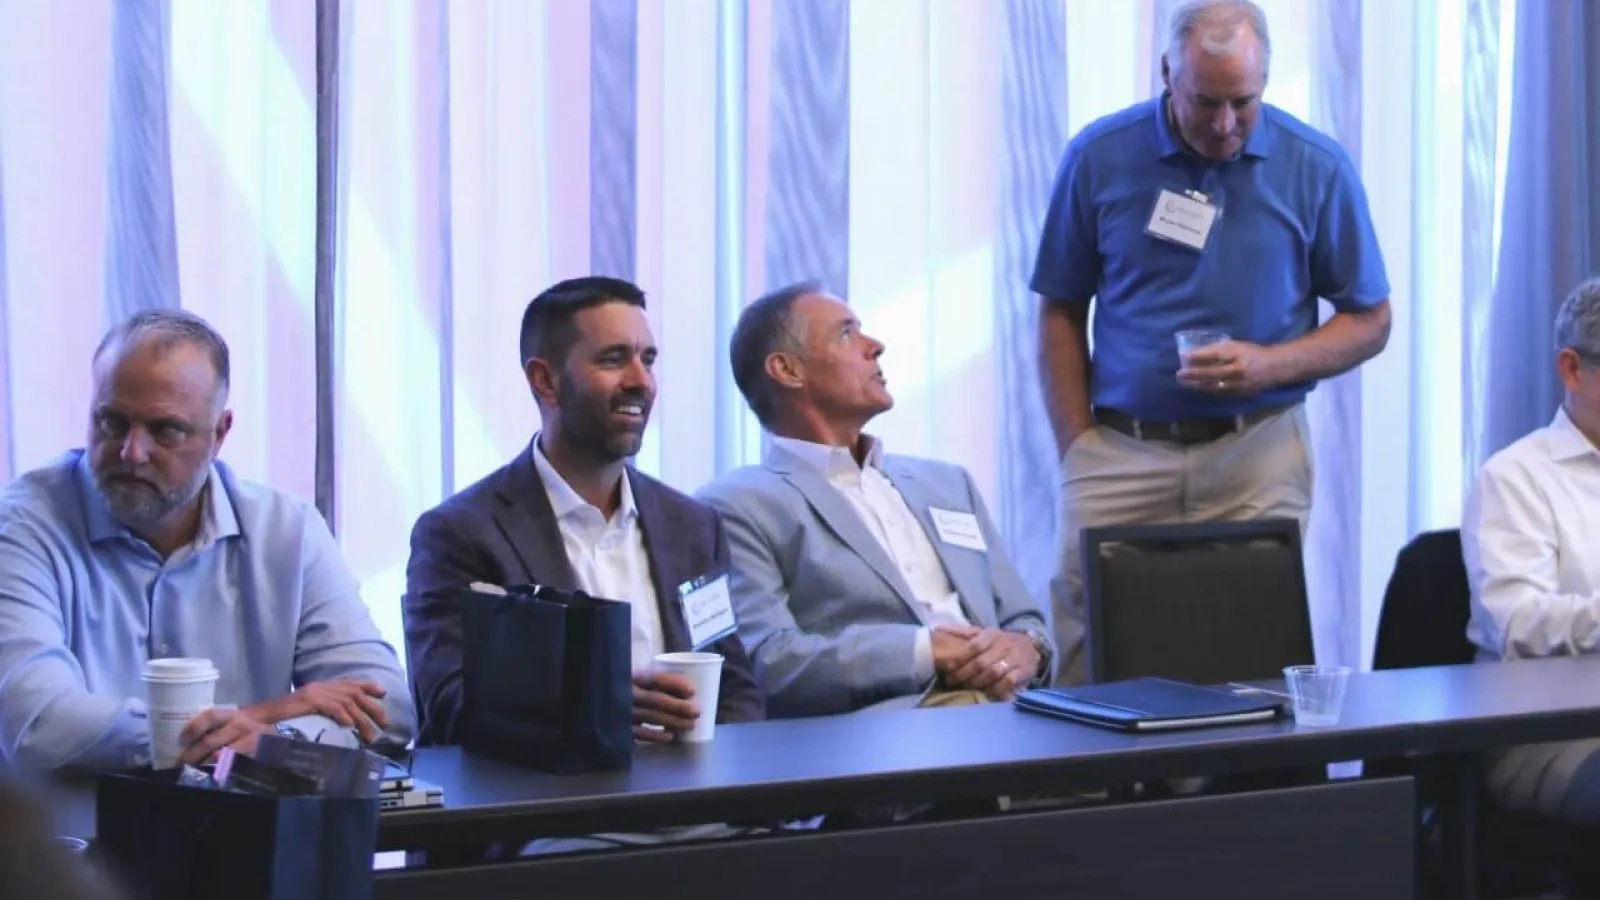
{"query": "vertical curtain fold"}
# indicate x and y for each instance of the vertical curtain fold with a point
(141, 252)
(613, 124)
(7, 445)
(1550, 230)
(1333, 550)
(1480, 78)
(736, 427)
(445, 234)
(326, 237)
(1034, 135)
(808, 170)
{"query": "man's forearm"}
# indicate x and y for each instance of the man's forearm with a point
(1064, 368)
(1343, 342)
(87, 732)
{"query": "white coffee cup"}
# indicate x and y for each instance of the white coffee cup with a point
(177, 690)
(704, 671)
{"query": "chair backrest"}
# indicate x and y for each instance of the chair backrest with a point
(1205, 603)
(1426, 606)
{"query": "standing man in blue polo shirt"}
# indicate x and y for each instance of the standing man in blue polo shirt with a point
(1204, 209)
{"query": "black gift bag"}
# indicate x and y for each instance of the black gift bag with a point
(166, 841)
(547, 680)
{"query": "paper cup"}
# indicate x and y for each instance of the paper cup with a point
(177, 690)
(704, 671)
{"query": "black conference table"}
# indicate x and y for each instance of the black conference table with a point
(1352, 837)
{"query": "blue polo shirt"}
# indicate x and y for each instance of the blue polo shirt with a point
(1293, 226)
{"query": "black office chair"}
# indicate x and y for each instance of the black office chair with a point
(1426, 607)
(1207, 603)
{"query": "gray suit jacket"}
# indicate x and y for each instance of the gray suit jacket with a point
(823, 610)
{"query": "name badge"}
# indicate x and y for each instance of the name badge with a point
(959, 529)
(707, 609)
(1184, 219)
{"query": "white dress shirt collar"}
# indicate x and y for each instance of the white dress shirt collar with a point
(564, 500)
(1566, 441)
(831, 460)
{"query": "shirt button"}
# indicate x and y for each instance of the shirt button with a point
(163, 649)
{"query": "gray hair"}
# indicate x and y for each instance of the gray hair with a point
(768, 325)
(1216, 24)
(1578, 320)
(165, 328)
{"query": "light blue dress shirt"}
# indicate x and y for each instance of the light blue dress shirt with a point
(262, 592)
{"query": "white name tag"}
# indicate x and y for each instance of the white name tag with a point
(707, 611)
(958, 528)
(1185, 220)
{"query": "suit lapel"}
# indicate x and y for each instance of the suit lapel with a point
(960, 565)
(529, 525)
(664, 548)
(840, 517)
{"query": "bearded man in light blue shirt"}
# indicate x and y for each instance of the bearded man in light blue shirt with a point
(143, 545)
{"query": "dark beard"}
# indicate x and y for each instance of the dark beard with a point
(584, 426)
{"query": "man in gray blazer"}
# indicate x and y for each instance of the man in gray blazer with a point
(859, 579)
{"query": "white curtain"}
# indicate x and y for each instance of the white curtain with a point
(708, 149)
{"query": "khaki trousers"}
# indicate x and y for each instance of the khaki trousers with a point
(1109, 478)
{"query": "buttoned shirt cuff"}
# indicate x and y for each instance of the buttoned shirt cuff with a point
(922, 661)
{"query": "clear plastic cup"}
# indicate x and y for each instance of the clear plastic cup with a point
(1195, 338)
(1317, 693)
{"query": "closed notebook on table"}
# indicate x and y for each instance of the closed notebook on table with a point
(1147, 704)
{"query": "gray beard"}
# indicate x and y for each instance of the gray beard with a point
(140, 507)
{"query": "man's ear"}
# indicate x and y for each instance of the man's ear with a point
(1166, 73)
(543, 380)
(224, 425)
(1567, 365)
(786, 369)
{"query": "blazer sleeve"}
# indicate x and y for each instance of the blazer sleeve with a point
(442, 561)
(740, 697)
(804, 673)
(1015, 609)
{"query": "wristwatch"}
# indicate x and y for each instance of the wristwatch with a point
(1041, 646)
(289, 732)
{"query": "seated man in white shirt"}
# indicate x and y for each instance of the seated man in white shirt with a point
(1529, 537)
(859, 579)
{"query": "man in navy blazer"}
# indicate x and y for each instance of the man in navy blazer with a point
(860, 579)
(570, 513)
